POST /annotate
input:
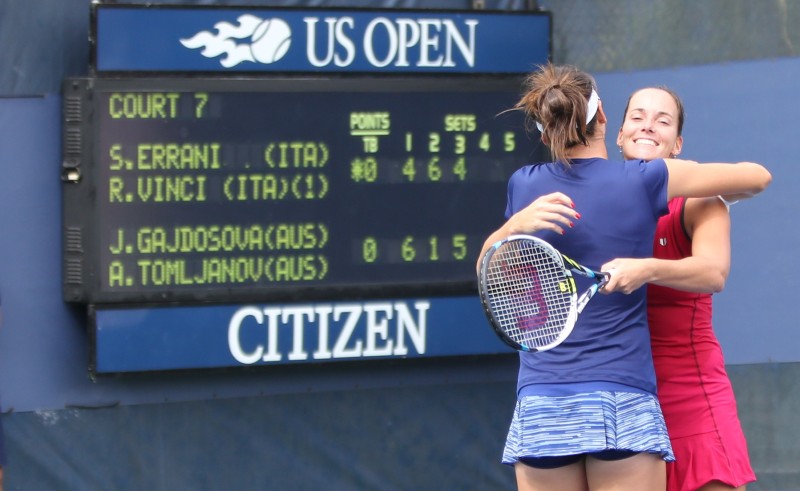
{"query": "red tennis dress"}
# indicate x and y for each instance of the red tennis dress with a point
(693, 387)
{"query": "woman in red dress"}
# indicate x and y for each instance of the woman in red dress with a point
(691, 261)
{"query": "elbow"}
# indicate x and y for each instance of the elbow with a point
(765, 180)
(762, 181)
(717, 284)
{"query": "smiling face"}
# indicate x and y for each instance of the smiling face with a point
(651, 128)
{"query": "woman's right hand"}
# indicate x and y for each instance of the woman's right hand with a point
(554, 211)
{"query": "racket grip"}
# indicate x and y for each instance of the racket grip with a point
(603, 277)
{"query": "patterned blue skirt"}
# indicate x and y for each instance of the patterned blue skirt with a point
(557, 426)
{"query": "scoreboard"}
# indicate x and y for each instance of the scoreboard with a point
(247, 185)
(243, 189)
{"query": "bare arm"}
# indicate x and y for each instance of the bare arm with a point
(734, 181)
(705, 271)
(549, 212)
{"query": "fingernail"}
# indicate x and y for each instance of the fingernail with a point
(577, 215)
(571, 225)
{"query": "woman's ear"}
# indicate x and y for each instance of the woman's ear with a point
(676, 149)
(601, 115)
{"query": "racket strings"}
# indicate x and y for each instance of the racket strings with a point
(530, 293)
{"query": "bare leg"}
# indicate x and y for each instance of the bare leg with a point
(568, 478)
(642, 472)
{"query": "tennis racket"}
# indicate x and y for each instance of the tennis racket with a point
(528, 292)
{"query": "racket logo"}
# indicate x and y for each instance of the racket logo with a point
(533, 298)
(567, 286)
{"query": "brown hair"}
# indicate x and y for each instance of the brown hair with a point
(556, 96)
(672, 93)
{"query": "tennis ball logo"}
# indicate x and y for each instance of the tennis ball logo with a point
(270, 41)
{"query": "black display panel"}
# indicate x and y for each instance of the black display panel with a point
(184, 190)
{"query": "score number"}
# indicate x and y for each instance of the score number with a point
(414, 249)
